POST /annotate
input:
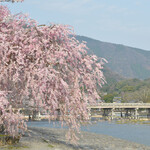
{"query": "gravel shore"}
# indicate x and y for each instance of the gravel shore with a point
(54, 139)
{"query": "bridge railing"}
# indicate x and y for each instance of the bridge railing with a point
(128, 105)
(123, 104)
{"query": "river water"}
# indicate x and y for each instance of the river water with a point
(139, 133)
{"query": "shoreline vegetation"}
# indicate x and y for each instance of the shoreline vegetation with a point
(38, 138)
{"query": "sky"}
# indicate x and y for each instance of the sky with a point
(124, 22)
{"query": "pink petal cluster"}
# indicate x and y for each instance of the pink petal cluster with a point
(47, 65)
(11, 122)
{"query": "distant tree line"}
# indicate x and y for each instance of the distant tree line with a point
(130, 90)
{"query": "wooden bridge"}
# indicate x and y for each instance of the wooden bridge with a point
(127, 109)
(109, 110)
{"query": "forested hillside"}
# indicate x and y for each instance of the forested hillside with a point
(129, 90)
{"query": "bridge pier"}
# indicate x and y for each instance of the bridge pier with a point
(132, 113)
(121, 115)
(126, 113)
(108, 112)
(121, 110)
(148, 113)
(136, 113)
(112, 113)
(105, 112)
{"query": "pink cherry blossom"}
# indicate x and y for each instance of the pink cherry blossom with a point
(47, 65)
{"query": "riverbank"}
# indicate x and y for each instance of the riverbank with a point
(39, 138)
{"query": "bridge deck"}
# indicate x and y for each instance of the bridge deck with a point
(120, 105)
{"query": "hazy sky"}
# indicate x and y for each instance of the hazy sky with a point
(117, 21)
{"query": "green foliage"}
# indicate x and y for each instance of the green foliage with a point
(16, 147)
(108, 98)
(129, 90)
(51, 146)
(128, 85)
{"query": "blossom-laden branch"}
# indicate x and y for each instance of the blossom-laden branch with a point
(49, 66)
(11, 122)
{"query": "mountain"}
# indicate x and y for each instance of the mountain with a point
(111, 77)
(127, 61)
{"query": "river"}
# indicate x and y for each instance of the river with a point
(139, 133)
